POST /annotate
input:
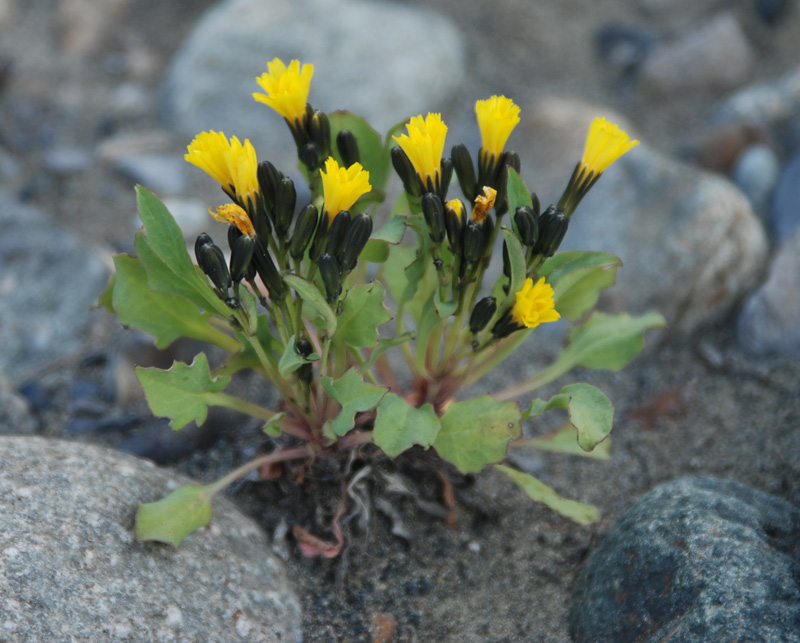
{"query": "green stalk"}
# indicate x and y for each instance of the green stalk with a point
(270, 458)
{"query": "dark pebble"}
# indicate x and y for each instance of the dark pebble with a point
(785, 211)
(623, 47)
(771, 11)
(36, 395)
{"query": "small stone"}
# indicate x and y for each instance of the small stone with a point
(769, 323)
(76, 511)
(715, 56)
(623, 47)
(756, 173)
(164, 174)
(15, 411)
(771, 11)
(785, 214)
(770, 105)
(67, 160)
(696, 559)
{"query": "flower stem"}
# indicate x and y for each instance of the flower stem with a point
(270, 458)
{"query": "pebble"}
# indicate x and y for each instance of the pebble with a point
(756, 172)
(695, 559)
(623, 47)
(772, 11)
(714, 56)
(164, 174)
(15, 411)
(356, 66)
(769, 323)
(785, 212)
(67, 160)
(771, 104)
(71, 569)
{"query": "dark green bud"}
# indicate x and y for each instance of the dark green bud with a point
(484, 310)
(527, 225)
(321, 238)
(320, 130)
(505, 326)
(303, 230)
(306, 372)
(454, 221)
(285, 201)
(446, 176)
(405, 170)
(552, 227)
(537, 208)
(433, 210)
(354, 241)
(329, 271)
(465, 171)
(488, 237)
(265, 267)
(241, 254)
(202, 239)
(348, 147)
(268, 179)
(311, 156)
(473, 242)
(510, 159)
(506, 261)
(337, 233)
(212, 262)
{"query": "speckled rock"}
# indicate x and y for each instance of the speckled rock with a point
(69, 568)
(15, 413)
(48, 280)
(689, 240)
(357, 66)
(696, 559)
(771, 103)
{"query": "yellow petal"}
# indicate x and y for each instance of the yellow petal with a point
(286, 88)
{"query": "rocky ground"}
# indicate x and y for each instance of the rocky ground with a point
(88, 107)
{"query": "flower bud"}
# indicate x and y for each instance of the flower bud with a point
(241, 255)
(446, 176)
(510, 159)
(320, 238)
(527, 225)
(303, 230)
(212, 262)
(266, 269)
(320, 130)
(506, 261)
(465, 171)
(484, 310)
(202, 239)
(285, 201)
(505, 326)
(329, 271)
(552, 228)
(268, 179)
(405, 170)
(347, 145)
(473, 242)
(537, 208)
(454, 221)
(488, 236)
(304, 348)
(311, 156)
(433, 210)
(354, 241)
(337, 232)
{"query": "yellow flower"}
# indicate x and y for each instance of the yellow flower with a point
(286, 88)
(497, 117)
(483, 204)
(232, 213)
(424, 145)
(232, 164)
(605, 143)
(534, 305)
(342, 187)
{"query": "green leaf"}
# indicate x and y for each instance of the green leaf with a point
(518, 194)
(291, 360)
(375, 251)
(581, 513)
(182, 393)
(105, 300)
(392, 231)
(398, 425)
(313, 297)
(516, 257)
(590, 412)
(362, 312)
(354, 396)
(476, 433)
(384, 345)
(374, 158)
(165, 316)
(247, 357)
(608, 341)
(175, 516)
(428, 320)
(443, 308)
(578, 278)
(563, 441)
(273, 427)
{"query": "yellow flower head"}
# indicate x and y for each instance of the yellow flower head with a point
(232, 213)
(232, 164)
(341, 187)
(286, 87)
(497, 117)
(424, 145)
(483, 204)
(605, 143)
(534, 304)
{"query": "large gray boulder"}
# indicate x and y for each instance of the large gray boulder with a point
(69, 568)
(696, 559)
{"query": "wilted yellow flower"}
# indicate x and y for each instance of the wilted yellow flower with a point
(232, 163)
(286, 88)
(497, 117)
(483, 204)
(534, 305)
(232, 213)
(342, 187)
(424, 145)
(605, 143)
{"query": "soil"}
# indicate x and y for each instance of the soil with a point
(504, 570)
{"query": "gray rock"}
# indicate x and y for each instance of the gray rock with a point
(716, 55)
(69, 568)
(770, 320)
(163, 174)
(696, 559)
(48, 280)
(65, 160)
(689, 241)
(15, 412)
(768, 104)
(385, 76)
(756, 172)
(785, 211)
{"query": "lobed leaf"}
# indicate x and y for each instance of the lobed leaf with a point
(175, 516)
(362, 311)
(399, 426)
(563, 440)
(314, 298)
(291, 360)
(354, 395)
(578, 278)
